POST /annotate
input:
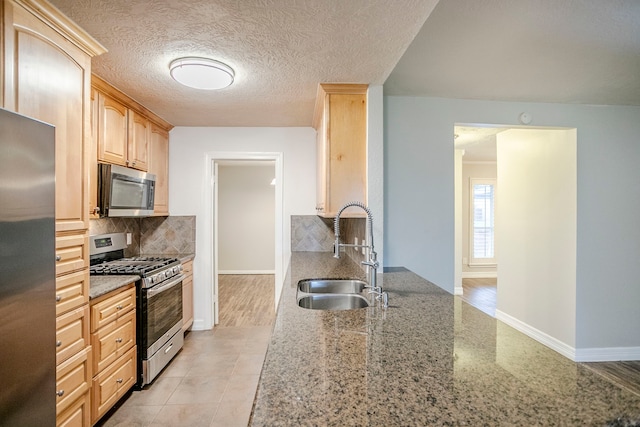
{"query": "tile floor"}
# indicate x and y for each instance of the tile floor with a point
(211, 383)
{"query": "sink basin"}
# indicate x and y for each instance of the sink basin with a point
(333, 301)
(331, 286)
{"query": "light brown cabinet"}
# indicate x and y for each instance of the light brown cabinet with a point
(340, 119)
(125, 133)
(159, 166)
(113, 340)
(46, 74)
(187, 295)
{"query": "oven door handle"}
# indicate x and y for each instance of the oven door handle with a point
(163, 287)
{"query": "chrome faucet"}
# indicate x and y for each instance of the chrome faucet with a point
(372, 261)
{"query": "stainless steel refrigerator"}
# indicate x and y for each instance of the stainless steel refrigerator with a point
(27, 272)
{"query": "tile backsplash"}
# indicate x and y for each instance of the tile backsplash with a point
(311, 233)
(170, 235)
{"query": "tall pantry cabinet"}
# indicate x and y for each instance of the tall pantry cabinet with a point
(46, 74)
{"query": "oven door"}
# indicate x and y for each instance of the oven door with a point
(161, 314)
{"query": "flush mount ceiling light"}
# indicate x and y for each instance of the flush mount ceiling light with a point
(201, 73)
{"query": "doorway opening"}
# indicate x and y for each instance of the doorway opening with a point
(476, 196)
(246, 234)
(516, 202)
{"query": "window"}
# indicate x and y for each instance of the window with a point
(482, 245)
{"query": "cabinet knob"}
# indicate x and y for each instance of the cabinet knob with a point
(119, 307)
(58, 257)
(58, 343)
(118, 340)
(96, 210)
(119, 380)
(58, 298)
(59, 393)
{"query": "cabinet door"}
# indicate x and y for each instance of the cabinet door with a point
(159, 166)
(112, 131)
(138, 141)
(47, 77)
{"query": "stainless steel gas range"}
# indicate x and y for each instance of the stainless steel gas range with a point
(159, 300)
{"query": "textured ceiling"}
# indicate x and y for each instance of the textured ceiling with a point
(568, 51)
(280, 51)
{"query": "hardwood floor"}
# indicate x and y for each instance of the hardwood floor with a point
(481, 293)
(246, 300)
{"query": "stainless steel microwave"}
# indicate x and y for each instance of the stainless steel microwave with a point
(124, 191)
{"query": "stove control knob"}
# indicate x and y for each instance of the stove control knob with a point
(151, 280)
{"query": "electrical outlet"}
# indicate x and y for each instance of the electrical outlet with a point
(364, 249)
(128, 238)
(355, 242)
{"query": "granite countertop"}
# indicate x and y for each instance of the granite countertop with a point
(100, 285)
(428, 359)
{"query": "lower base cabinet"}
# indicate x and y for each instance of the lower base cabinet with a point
(73, 380)
(78, 414)
(113, 338)
(112, 383)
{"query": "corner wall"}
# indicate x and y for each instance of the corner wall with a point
(419, 203)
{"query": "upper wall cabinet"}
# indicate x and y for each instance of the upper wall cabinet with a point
(340, 119)
(46, 67)
(126, 133)
(123, 133)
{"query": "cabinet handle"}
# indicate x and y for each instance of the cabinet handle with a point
(59, 393)
(58, 298)
(58, 258)
(119, 307)
(119, 380)
(96, 210)
(118, 340)
(58, 343)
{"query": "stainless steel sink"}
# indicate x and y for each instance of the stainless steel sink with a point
(333, 301)
(331, 286)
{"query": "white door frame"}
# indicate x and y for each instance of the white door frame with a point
(211, 200)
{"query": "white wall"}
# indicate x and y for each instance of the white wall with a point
(246, 218)
(419, 203)
(536, 239)
(188, 188)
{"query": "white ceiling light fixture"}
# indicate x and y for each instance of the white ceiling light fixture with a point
(201, 73)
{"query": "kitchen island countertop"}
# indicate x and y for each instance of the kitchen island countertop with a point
(428, 359)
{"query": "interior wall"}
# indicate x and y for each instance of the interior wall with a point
(188, 187)
(536, 219)
(474, 170)
(246, 218)
(419, 202)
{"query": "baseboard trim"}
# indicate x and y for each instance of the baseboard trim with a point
(246, 272)
(607, 354)
(457, 290)
(542, 337)
(479, 274)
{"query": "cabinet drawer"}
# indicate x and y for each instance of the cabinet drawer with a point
(73, 379)
(72, 291)
(113, 340)
(72, 253)
(111, 306)
(72, 333)
(78, 414)
(111, 384)
(187, 268)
